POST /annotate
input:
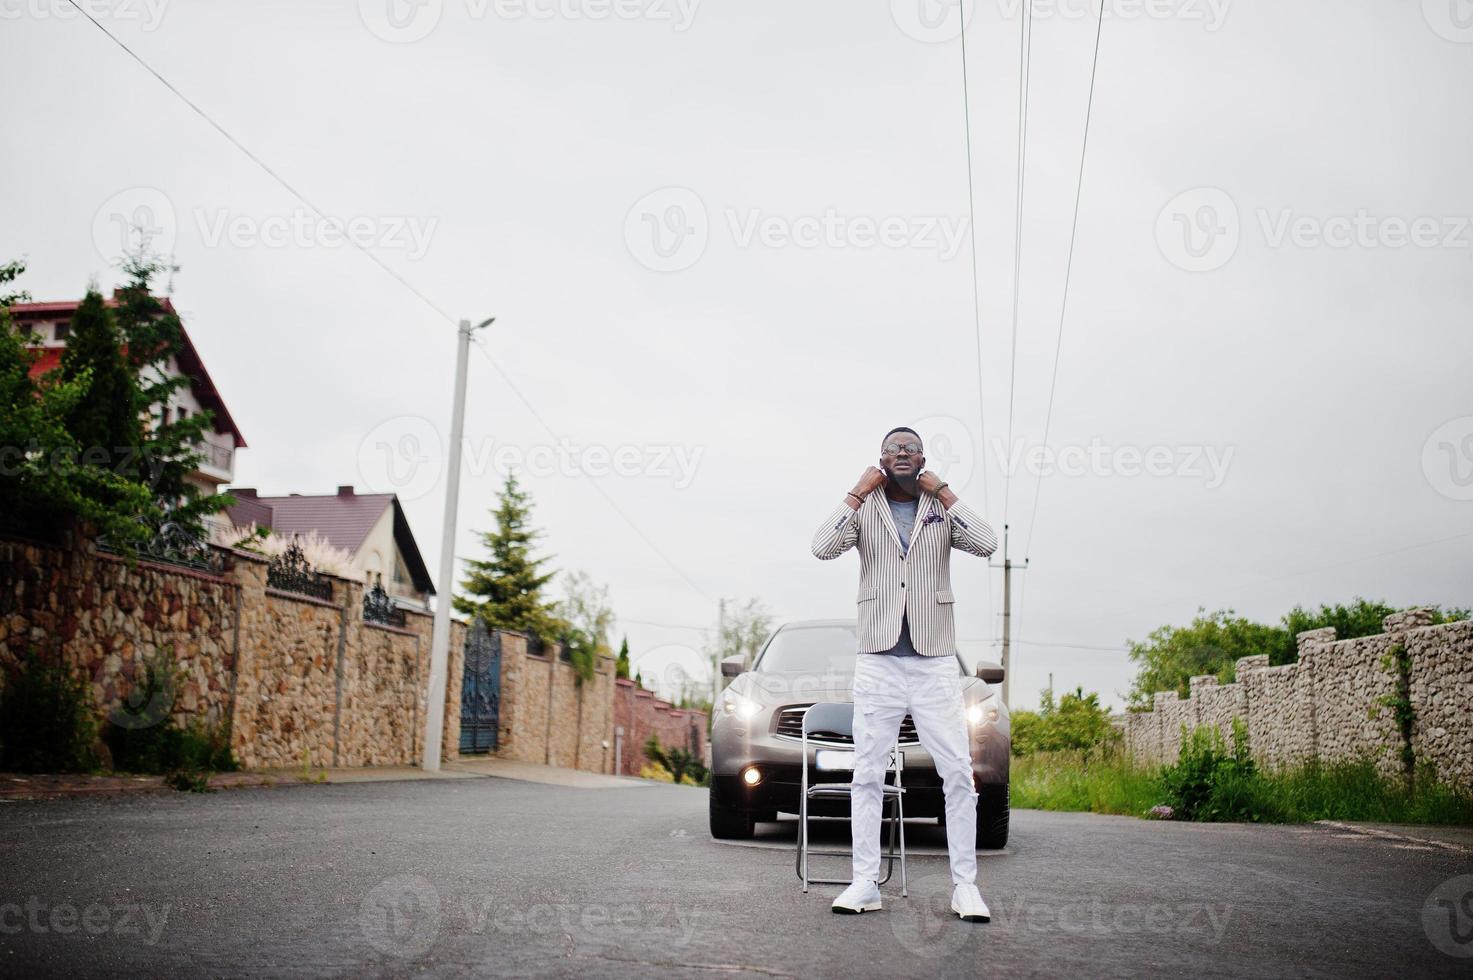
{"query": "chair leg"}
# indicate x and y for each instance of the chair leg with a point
(900, 809)
(803, 839)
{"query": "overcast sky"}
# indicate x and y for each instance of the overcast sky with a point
(726, 245)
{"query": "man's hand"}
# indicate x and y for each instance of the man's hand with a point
(869, 481)
(931, 483)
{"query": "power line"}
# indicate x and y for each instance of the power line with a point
(601, 491)
(261, 163)
(976, 287)
(377, 261)
(1025, 51)
(1068, 269)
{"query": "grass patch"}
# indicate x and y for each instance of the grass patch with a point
(1213, 785)
(1089, 783)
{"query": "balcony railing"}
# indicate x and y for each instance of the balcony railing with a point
(216, 457)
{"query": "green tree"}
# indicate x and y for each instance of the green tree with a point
(1076, 722)
(104, 420)
(172, 449)
(585, 621)
(621, 665)
(1212, 644)
(46, 480)
(505, 590)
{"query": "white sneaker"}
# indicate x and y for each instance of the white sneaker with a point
(966, 901)
(861, 896)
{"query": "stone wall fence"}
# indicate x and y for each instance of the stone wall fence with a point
(299, 680)
(1333, 704)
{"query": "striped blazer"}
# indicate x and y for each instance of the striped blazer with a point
(918, 584)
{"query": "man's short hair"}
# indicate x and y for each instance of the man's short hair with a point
(903, 428)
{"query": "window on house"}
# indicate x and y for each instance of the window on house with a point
(62, 330)
(183, 413)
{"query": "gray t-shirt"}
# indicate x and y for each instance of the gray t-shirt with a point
(904, 512)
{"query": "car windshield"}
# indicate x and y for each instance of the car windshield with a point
(813, 649)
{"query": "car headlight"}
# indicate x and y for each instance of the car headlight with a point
(733, 705)
(981, 714)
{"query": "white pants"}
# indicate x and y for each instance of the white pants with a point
(885, 688)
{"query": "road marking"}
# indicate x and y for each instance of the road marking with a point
(1386, 835)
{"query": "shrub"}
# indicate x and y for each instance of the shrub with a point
(1211, 782)
(159, 746)
(47, 720)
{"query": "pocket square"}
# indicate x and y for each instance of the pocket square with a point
(932, 519)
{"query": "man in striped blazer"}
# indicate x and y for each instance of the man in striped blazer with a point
(905, 533)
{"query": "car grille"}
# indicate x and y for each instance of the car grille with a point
(790, 725)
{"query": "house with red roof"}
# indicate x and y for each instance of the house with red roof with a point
(51, 323)
(370, 527)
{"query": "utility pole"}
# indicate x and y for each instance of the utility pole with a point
(1007, 615)
(440, 635)
(716, 655)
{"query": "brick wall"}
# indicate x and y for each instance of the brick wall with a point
(298, 679)
(1329, 704)
(640, 714)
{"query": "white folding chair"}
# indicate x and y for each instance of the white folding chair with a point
(836, 718)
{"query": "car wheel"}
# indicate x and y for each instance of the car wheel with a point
(729, 823)
(992, 817)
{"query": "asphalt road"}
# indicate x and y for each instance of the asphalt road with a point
(501, 877)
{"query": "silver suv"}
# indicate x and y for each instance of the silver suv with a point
(755, 750)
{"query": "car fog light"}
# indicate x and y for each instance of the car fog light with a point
(751, 775)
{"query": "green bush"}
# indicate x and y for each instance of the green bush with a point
(157, 745)
(1211, 782)
(1077, 722)
(47, 720)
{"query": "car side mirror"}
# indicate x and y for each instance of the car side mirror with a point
(989, 672)
(733, 666)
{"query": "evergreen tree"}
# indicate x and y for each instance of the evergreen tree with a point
(170, 450)
(622, 664)
(45, 478)
(506, 589)
(104, 420)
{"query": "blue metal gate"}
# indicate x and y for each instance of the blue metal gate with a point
(480, 690)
